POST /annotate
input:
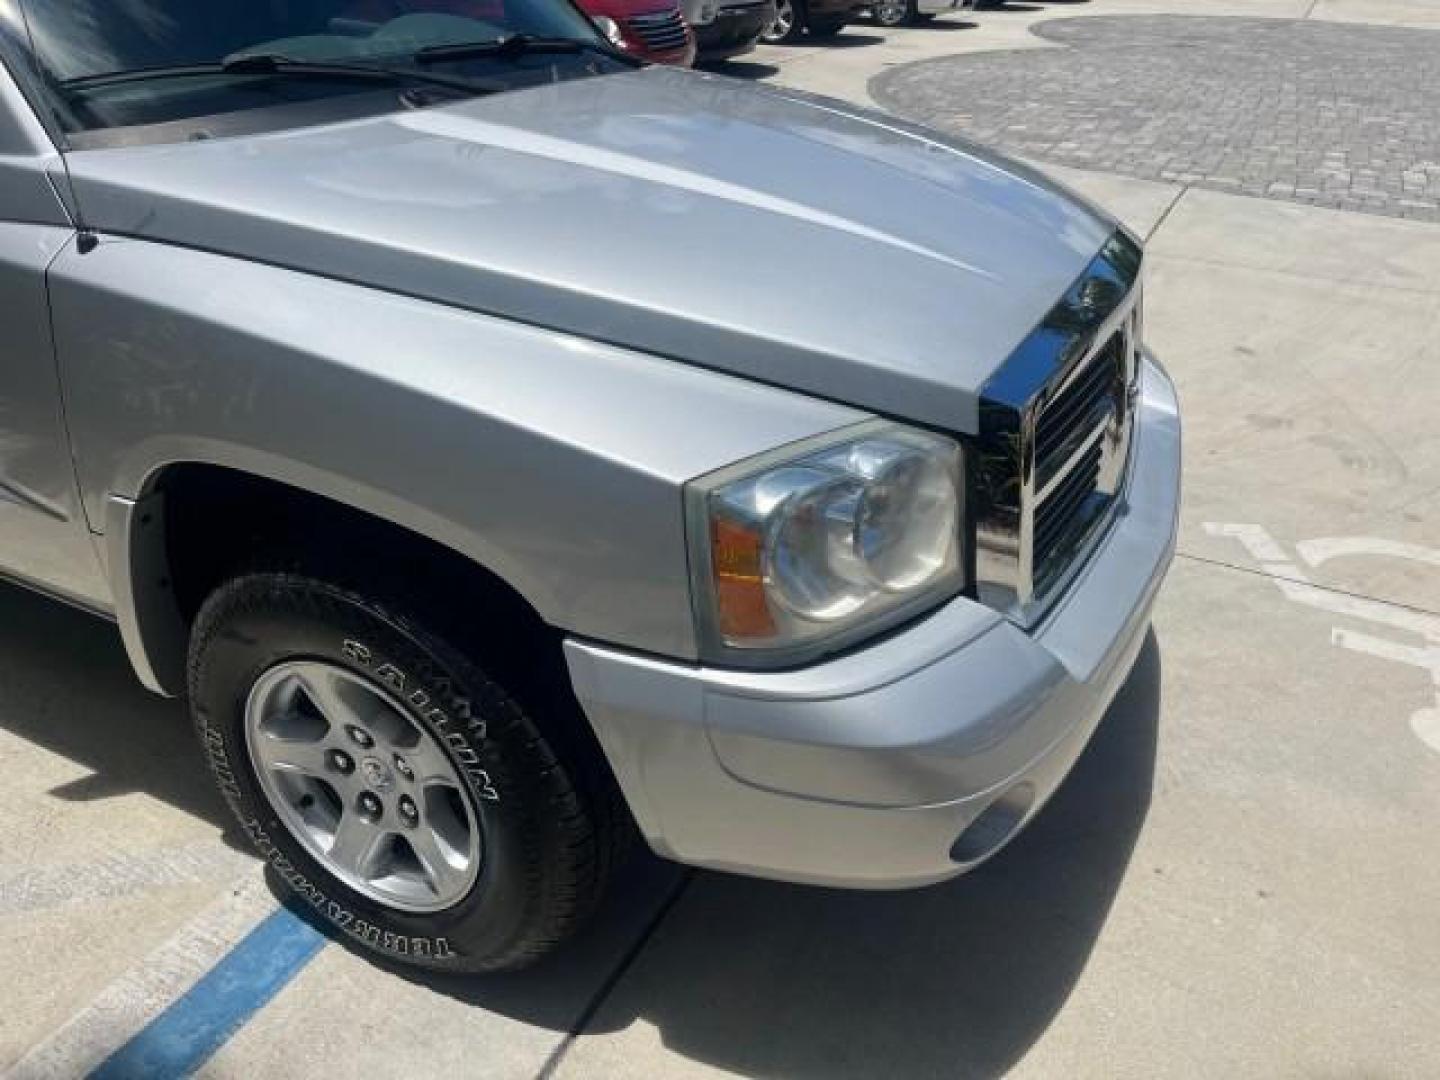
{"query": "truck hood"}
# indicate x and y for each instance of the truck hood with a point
(779, 237)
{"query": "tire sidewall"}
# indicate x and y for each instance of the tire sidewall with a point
(260, 621)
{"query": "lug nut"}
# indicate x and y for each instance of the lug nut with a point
(408, 813)
(403, 768)
(370, 805)
(360, 736)
(341, 761)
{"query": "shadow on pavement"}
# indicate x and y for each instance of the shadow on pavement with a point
(754, 977)
(766, 979)
(941, 23)
(740, 69)
(845, 39)
(69, 688)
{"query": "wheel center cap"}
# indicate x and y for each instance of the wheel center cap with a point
(377, 774)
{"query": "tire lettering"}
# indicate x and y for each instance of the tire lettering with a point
(357, 652)
(400, 945)
(473, 728)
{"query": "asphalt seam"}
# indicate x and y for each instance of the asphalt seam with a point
(1165, 214)
(1256, 572)
(602, 993)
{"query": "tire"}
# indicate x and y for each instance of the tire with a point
(519, 831)
(827, 25)
(789, 24)
(891, 13)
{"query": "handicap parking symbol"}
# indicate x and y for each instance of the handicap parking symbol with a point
(1294, 582)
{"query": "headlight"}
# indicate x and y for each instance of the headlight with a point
(801, 552)
(611, 29)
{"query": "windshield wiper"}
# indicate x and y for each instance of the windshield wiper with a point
(509, 45)
(269, 64)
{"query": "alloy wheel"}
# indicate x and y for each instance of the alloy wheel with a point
(371, 796)
(784, 23)
(891, 12)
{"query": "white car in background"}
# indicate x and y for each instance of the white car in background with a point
(910, 12)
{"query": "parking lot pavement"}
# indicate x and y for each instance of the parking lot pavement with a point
(1240, 878)
(1309, 111)
(110, 841)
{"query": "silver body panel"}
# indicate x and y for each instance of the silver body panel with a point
(554, 462)
(565, 207)
(44, 541)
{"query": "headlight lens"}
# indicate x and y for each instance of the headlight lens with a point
(611, 29)
(801, 554)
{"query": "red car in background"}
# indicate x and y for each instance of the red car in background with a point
(653, 30)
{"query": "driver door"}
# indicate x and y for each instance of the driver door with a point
(44, 539)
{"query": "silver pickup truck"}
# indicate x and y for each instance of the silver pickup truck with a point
(484, 434)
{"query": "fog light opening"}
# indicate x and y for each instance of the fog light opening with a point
(996, 824)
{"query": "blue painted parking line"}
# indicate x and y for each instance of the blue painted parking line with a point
(184, 1036)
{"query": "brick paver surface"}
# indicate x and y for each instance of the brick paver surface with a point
(1335, 115)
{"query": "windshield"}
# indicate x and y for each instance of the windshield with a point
(120, 63)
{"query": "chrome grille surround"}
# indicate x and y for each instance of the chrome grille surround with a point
(1054, 444)
(662, 30)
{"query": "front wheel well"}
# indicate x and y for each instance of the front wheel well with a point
(215, 523)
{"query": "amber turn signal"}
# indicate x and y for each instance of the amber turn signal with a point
(743, 611)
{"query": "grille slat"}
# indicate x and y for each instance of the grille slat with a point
(1061, 511)
(1078, 403)
(660, 30)
(1071, 410)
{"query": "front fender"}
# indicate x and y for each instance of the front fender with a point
(554, 462)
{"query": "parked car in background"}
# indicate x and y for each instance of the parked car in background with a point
(911, 12)
(818, 18)
(727, 28)
(654, 30)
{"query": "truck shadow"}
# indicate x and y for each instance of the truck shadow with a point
(69, 688)
(767, 979)
(754, 977)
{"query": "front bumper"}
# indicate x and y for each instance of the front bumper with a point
(734, 31)
(909, 761)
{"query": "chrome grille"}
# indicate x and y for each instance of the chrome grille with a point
(662, 31)
(1070, 451)
(1054, 441)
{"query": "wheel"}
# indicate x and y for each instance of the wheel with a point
(789, 23)
(894, 12)
(401, 792)
(822, 26)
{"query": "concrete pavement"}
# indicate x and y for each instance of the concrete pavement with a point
(1240, 879)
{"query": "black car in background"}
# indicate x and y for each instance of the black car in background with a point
(727, 28)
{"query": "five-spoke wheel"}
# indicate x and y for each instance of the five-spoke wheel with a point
(373, 798)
